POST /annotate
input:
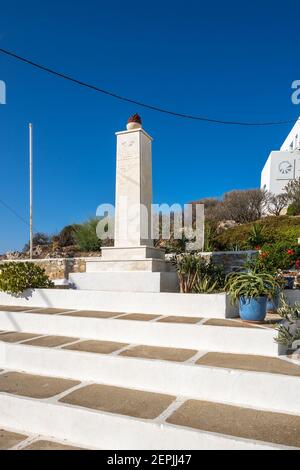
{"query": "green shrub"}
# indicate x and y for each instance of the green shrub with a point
(275, 229)
(15, 278)
(280, 255)
(86, 236)
(291, 210)
(67, 236)
(39, 238)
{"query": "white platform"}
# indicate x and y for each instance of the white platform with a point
(193, 305)
(126, 281)
(135, 265)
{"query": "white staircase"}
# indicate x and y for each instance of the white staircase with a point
(114, 380)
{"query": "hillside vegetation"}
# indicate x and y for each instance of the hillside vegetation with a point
(274, 230)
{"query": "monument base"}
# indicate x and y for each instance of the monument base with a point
(131, 253)
(128, 269)
(126, 281)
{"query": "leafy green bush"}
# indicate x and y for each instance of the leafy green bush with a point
(67, 236)
(15, 278)
(86, 236)
(39, 238)
(275, 229)
(280, 255)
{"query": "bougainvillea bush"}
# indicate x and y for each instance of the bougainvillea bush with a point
(15, 278)
(280, 255)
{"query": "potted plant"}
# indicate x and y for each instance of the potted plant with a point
(251, 289)
(288, 331)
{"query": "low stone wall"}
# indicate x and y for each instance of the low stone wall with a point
(231, 260)
(59, 268)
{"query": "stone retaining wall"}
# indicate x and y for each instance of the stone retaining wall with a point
(231, 260)
(59, 268)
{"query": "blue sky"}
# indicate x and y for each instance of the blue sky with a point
(230, 60)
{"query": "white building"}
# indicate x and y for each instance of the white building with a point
(283, 165)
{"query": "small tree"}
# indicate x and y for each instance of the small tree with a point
(292, 192)
(67, 236)
(211, 207)
(39, 238)
(275, 203)
(243, 206)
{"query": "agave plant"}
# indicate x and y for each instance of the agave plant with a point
(257, 235)
(205, 285)
(288, 332)
(250, 285)
(288, 312)
(196, 274)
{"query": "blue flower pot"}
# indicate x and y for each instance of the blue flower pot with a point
(273, 304)
(253, 309)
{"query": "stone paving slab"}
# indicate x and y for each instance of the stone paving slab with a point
(7, 308)
(250, 363)
(50, 445)
(129, 402)
(50, 341)
(9, 439)
(138, 316)
(33, 386)
(92, 314)
(241, 422)
(15, 336)
(93, 346)
(49, 311)
(174, 319)
(231, 323)
(162, 353)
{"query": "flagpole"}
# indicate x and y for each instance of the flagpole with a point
(30, 191)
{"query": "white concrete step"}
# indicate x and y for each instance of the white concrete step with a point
(12, 439)
(126, 281)
(205, 380)
(108, 417)
(154, 332)
(198, 305)
(133, 265)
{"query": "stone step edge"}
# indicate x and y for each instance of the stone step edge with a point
(208, 305)
(61, 420)
(204, 337)
(230, 386)
(30, 438)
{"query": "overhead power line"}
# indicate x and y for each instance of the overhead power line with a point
(139, 103)
(15, 213)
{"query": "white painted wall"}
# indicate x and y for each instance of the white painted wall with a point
(284, 165)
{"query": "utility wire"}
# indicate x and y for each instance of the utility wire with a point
(8, 207)
(139, 103)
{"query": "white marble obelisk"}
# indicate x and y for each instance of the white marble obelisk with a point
(133, 264)
(133, 186)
